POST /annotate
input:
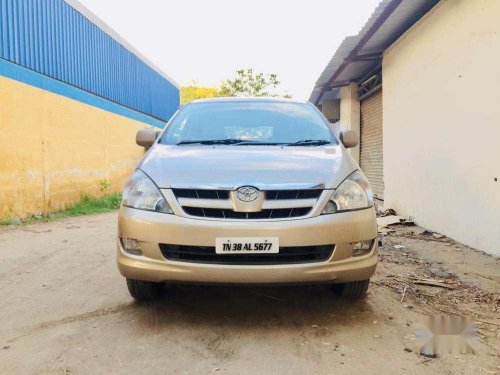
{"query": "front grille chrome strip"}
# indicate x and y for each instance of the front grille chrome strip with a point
(205, 203)
(226, 204)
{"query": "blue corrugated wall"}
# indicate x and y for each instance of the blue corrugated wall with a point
(52, 38)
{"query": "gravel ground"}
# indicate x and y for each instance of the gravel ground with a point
(66, 310)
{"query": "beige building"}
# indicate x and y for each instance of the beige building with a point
(419, 84)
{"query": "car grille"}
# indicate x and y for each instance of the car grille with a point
(201, 193)
(264, 214)
(286, 255)
(278, 204)
(292, 194)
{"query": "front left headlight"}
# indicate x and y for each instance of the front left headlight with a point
(142, 193)
(352, 194)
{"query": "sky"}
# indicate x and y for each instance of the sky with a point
(207, 41)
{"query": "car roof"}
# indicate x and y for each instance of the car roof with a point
(247, 99)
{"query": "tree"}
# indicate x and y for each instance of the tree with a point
(193, 92)
(248, 83)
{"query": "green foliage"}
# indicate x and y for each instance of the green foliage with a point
(86, 206)
(249, 83)
(93, 205)
(193, 92)
(245, 83)
(7, 220)
(105, 185)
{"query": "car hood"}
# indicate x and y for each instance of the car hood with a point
(264, 167)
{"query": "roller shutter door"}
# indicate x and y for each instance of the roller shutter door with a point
(371, 146)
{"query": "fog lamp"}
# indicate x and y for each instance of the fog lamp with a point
(362, 248)
(131, 246)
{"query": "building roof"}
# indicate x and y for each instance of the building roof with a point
(84, 11)
(55, 40)
(360, 54)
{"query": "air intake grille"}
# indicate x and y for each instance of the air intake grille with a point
(286, 255)
(201, 193)
(230, 214)
(292, 194)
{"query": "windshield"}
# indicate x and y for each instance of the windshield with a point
(249, 122)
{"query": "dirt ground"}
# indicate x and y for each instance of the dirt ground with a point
(66, 310)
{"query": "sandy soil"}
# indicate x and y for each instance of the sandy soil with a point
(65, 309)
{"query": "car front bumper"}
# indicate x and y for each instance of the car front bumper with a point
(341, 230)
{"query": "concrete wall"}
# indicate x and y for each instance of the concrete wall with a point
(442, 122)
(54, 148)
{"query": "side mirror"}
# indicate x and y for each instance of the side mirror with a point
(349, 138)
(146, 137)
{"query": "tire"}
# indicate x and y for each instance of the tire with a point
(144, 290)
(354, 289)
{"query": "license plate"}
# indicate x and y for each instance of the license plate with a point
(247, 245)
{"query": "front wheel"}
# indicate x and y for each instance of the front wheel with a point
(353, 289)
(144, 290)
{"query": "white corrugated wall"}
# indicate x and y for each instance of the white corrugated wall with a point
(371, 143)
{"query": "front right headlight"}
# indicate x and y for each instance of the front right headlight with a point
(352, 194)
(141, 193)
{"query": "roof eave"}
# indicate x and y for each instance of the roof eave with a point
(360, 54)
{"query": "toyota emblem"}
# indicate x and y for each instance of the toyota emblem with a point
(247, 194)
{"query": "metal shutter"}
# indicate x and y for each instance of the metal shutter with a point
(371, 146)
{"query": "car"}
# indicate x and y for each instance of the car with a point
(247, 191)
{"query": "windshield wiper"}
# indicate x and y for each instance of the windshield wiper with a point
(309, 142)
(259, 143)
(228, 141)
(231, 141)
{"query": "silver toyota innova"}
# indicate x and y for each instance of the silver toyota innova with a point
(245, 190)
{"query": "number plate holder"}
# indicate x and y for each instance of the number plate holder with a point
(247, 245)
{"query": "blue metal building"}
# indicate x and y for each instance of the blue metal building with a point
(63, 40)
(73, 94)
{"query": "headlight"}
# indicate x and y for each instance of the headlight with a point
(352, 194)
(140, 192)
